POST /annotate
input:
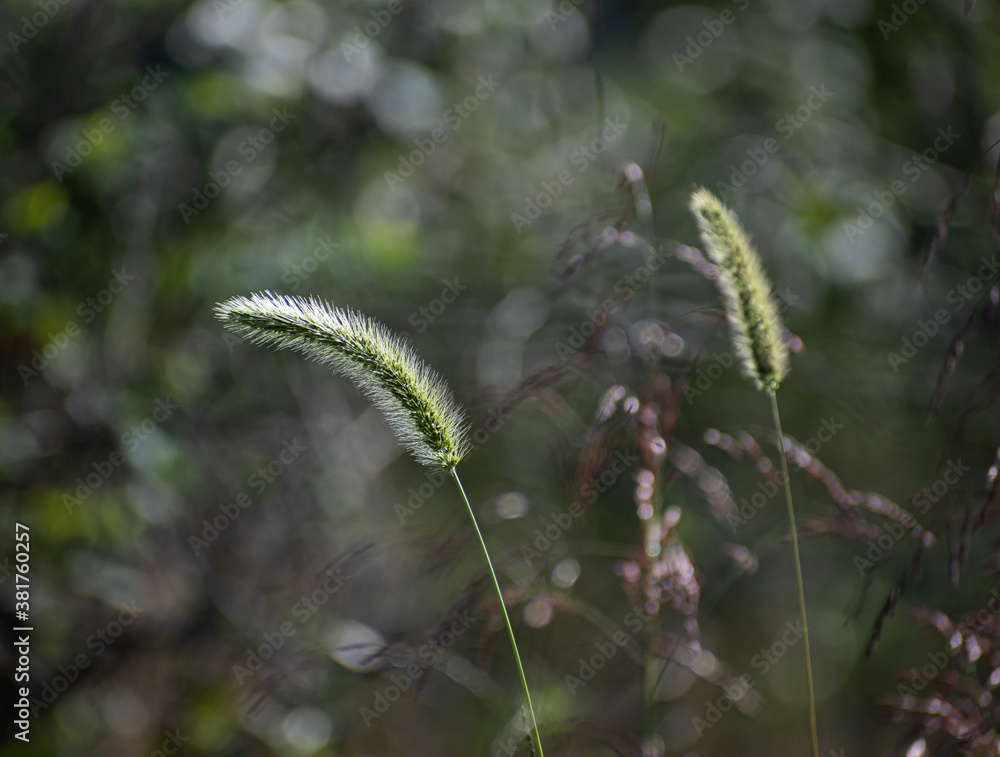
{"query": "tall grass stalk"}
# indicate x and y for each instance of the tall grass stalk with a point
(416, 401)
(758, 339)
(799, 584)
(506, 618)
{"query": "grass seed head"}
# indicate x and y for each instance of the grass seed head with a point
(757, 331)
(416, 401)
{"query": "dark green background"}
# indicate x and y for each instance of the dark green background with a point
(354, 113)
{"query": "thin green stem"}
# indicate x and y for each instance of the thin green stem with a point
(506, 617)
(798, 573)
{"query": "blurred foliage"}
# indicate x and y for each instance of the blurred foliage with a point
(158, 157)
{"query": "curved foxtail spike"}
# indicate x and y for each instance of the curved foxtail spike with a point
(416, 401)
(757, 332)
(759, 343)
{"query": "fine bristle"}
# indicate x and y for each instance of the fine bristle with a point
(757, 333)
(417, 403)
